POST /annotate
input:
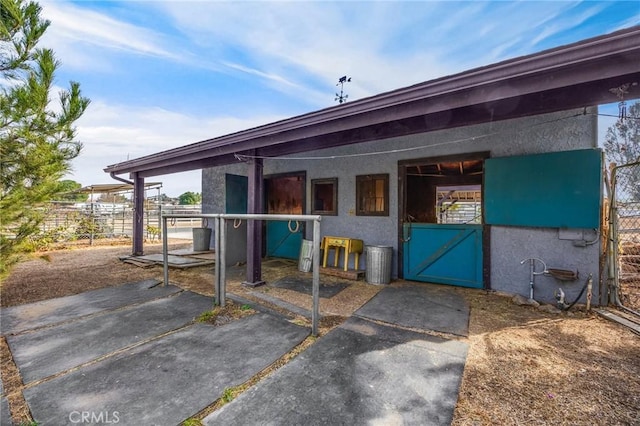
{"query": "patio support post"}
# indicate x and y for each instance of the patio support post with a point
(254, 227)
(138, 214)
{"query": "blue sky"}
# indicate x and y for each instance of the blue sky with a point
(162, 74)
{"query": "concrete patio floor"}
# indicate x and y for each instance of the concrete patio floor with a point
(133, 352)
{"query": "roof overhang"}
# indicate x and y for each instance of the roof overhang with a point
(114, 188)
(572, 76)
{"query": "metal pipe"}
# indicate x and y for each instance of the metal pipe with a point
(218, 249)
(315, 313)
(165, 252)
(533, 273)
(113, 176)
(532, 266)
(222, 225)
(589, 291)
(220, 252)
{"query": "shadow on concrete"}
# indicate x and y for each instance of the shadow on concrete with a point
(167, 380)
(52, 350)
(303, 285)
(20, 318)
(359, 373)
(420, 306)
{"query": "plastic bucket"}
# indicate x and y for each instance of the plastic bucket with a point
(201, 239)
(306, 256)
(378, 270)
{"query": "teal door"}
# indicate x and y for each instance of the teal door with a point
(443, 253)
(236, 194)
(283, 240)
(442, 234)
(284, 194)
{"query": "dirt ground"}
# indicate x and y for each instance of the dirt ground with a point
(524, 366)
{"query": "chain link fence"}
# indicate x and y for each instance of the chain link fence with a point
(625, 207)
(81, 224)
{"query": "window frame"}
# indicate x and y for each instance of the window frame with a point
(360, 179)
(324, 181)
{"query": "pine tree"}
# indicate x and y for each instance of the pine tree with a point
(37, 141)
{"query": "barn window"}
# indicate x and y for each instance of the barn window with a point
(372, 195)
(324, 193)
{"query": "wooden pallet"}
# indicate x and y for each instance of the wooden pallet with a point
(349, 274)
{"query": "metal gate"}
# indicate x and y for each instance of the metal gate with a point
(624, 248)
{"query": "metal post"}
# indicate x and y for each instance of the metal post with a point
(165, 252)
(223, 261)
(92, 221)
(315, 313)
(160, 211)
(217, 281)
(614, 294)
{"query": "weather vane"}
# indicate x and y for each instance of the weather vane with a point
(620, 91)
(342, 97)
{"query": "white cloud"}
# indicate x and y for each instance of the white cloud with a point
(117, 132)
(76, 32)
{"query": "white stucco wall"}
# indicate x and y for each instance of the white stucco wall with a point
(563, 131)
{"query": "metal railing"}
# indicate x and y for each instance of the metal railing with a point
(219, 230)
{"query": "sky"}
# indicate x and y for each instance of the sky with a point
(163, 74)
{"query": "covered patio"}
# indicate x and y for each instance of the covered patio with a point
(595, 71)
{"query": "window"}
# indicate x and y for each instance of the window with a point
(372, 195)
(459, 204)
(324, 194)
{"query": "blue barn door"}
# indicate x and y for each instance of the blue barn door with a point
(443, 253)
(442, 231)
(284, 194)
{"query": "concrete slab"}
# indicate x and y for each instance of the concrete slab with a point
(174, 261)
(282, 304)
(423, 307)
(303, 285)
(170, 379)
(5, 415)
(53, 350)
(190, 252)
(53, 311)
(360, 373)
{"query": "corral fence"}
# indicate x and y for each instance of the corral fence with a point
(624, 268)
(91, 223)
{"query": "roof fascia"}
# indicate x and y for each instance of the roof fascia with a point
(596, 58)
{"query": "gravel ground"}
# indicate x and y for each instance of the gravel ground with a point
(524, 366)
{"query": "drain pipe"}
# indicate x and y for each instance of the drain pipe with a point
(113, 176)
(532, 272)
